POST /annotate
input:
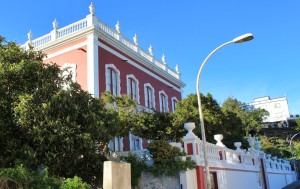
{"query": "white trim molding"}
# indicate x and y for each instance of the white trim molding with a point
(71, 69)
(92, 65)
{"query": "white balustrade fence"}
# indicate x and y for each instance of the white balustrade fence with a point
(91, 21)
(228, 158)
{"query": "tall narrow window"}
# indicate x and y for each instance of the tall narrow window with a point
(149, 96)
(112, 80)
(133, 88)
(163, 101)
(174, 103)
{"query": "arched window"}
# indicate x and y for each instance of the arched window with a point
(149, 96)
(163, 101)
(112, 79)
(174, 103)
(133, 88)
(68, 69)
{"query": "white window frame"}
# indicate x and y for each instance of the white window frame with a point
(67, 69)
(173, 106)
(128, 78)
(153, 95)
(166, 104)
(107, 69)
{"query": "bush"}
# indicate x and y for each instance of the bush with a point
(23, 178)
(167, 159)
(74, 183)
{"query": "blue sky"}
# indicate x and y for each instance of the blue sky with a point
(186, 32)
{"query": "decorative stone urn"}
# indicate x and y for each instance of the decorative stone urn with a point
(219, 138)
(274, 158)
(250, 141)
(238, 147)
(190, 126)
(268, 156)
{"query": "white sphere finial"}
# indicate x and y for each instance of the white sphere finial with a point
(118, 27)
(164, 60)
(55, 24)
(135, 39)
(151, 50)
(92, 8)
(29, 35)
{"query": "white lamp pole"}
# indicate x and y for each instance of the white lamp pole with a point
(240, 39)
(291, 148)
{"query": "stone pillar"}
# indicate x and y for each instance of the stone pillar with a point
(188, 179)
(191, 143)
(116, 175)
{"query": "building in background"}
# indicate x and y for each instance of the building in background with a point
(102, 59)
(278, 110)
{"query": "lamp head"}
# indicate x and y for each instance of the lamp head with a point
(243, 38)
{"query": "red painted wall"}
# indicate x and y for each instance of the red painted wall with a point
(125, 68)
(200, 177)
(77, 56)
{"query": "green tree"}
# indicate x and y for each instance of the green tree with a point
(297, 121)
(215, 120)
(251, 120)
(42, 124)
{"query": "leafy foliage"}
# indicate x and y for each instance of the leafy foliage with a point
(216, 121)
(43, 124)
(297, 124)
(251, 120)
(74, 183)
(21, 177)
(167, 159)
(275, 146)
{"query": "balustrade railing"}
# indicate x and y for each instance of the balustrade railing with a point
(41, 41)
(92, 20)
(250, 159)
(70, 29)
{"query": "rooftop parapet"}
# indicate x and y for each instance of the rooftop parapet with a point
(92, 21)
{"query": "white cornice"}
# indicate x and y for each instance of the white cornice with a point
(133, 55)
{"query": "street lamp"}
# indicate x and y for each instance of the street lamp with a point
(240, 39)
(291, 148)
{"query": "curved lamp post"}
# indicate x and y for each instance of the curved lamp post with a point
(240, 39)
(291, 148)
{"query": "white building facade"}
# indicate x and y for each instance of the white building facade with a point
(277, 107)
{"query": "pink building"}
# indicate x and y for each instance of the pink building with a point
(102, 59)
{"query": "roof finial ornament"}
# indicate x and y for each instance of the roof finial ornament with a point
(29, 35)
(92, 8)
(151, 50)
(55, 24)
(118, 27)
(177, 69)
(135, 39)
(163, 58)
